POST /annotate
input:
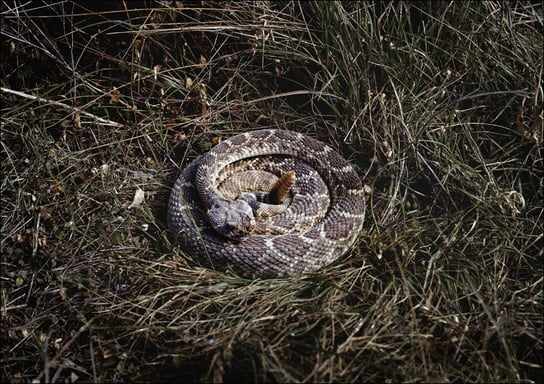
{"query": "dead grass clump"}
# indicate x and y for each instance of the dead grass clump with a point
(439, 107)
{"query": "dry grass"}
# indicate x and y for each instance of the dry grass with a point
(439, 107)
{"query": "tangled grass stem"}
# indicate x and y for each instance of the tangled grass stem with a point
(437, 106)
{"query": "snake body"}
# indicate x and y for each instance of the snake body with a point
(322, 216)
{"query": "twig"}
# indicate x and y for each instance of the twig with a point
(61, 105)
(53, 361)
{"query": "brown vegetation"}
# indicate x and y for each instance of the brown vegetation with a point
(437, 105)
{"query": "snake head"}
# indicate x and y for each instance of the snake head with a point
(232, 219)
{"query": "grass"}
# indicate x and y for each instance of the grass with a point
(438, 106)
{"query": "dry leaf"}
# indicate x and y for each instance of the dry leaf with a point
(139, 198)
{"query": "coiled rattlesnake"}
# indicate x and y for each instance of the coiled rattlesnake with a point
(319, 218)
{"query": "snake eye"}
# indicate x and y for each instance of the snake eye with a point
(231, 225)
